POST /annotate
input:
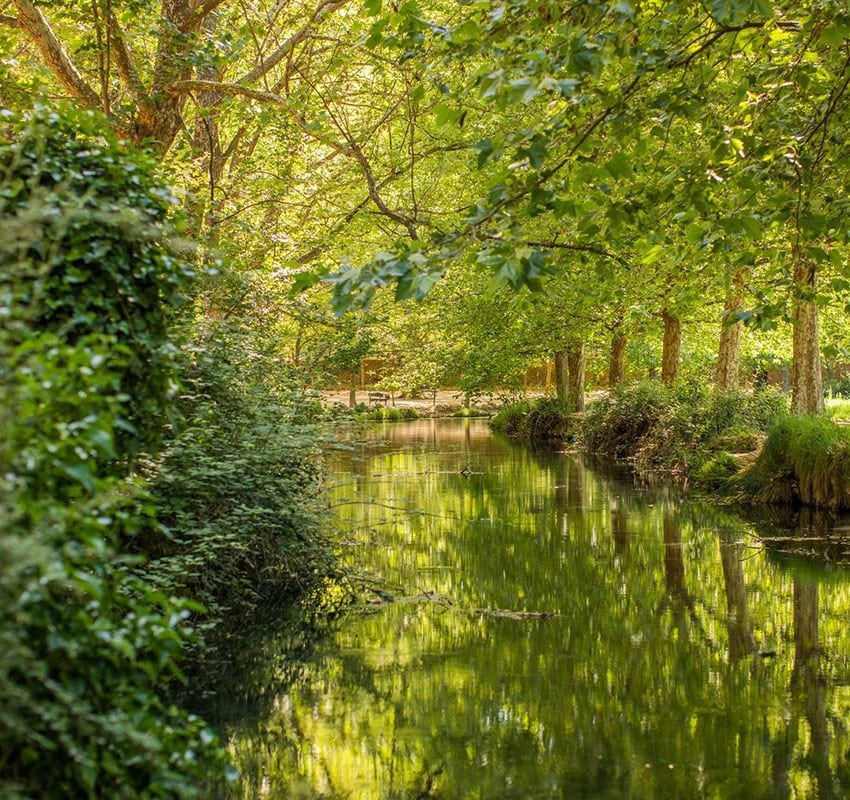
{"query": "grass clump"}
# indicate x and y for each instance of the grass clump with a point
(469, 413)
(717, 472)
(544, 420)
(805, 460)
(383, 414)
(678, 429)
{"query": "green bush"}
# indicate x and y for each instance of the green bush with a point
(86, 645)
(510, 419)
(717, 472)
(805, 459)
(680, 428)
(95, 257)
(384, 414)
(615, 426)
(469, 413)
(543, 420)
(239, 522)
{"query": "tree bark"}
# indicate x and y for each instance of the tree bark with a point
(575, 375)
(352, 390)
(806, 371)
(672, 347)
(35, 24)
(617, 361)
(729, 349)
(561, 375)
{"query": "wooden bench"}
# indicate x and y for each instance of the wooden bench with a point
(378, 398)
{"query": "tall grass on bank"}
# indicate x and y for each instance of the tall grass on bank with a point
(545, 420)
(805, 460)
(678, 429)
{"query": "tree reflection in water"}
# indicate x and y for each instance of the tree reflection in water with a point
(684, 661)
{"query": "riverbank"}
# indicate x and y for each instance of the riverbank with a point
(739, 445)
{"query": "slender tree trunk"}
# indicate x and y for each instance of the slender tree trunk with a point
(728, 353)
(672, 347)
(806, 373)
(617, 362)
(561, 375)
(674, 559)
(575, 375)
(352, 390)
(805, 623)
(741, 641)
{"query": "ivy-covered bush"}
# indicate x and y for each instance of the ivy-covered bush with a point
(97, 254)
(86, 645)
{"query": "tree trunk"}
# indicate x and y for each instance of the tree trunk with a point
(575, 375)
(352, 390)
(728, 353)
(741, 643)
(672, 347)
(617, 362)
(806, 374)
(805, 623)
(561, 375)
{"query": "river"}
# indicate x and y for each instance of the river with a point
(564, 631)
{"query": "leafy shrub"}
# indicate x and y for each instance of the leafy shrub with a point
(510, 419)
(86, 646)
(615, 425)
(544, 420)
(239, 520)
(677, 429)
(95, 255)
(384, 414)
(805, 459)
(717, 472)
(469, 413)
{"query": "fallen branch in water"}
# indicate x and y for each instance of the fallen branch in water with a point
(447, 603)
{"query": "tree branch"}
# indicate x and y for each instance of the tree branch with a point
(324, 8)
(227, 89)
(125, 64)
(35, 24)
(10, 22)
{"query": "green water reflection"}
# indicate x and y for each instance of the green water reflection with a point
(685, 661)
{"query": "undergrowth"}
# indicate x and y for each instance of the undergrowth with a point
(543, 420)
(805, 460)
(384, 414)
(678, 429)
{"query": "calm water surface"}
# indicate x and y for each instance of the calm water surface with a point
(686, 660)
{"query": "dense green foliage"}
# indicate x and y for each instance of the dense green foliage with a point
(804, 460)
(383, 414)
(677, 429)
(110, 570)
(505, 197)
(238, 496)
(87, 644)
(95, 257)
(545, 420)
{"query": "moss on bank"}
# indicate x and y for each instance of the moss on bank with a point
(805, 460)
